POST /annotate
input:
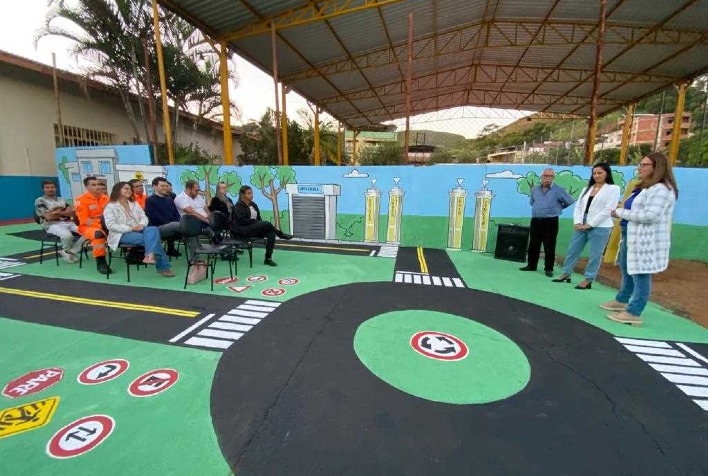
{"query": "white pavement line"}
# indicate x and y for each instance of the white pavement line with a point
(407, 278)
(669, 360)
(230, 327)
(647, 343)
(413, 273)
(689, 379)
(692, 352)
(436, 281)
(373, 253)
(694, 391)
(458, 282)
(240, 320)
(239, 312)
(447, 282)
(220, 334)
(399, 277)
(213, 343)
(426, 280)
(247, 307)
(4, 276)
(675, 369)
(653, 351)
(702, 403)
(416, 279)
(262, 303)
(191, 328)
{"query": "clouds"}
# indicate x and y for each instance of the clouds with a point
(355, 174)
(506, 174)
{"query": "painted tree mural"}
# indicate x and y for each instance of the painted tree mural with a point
(525, 184)
(208, 176)
(264, 178)
(572, 183)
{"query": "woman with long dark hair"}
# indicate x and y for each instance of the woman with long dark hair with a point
(593, 224)
(646, 237)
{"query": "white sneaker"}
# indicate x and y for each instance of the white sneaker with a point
(68, 257)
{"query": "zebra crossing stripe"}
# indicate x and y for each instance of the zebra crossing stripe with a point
(693, 391)
(692, 352)
(647, 343)
(676, 369)
(688, 379)
(239, 312)
(399, 278)
(407, 278)
(416, 279)
(437, 281)
(410, 277)
(240, 320)
(191, 328)
(654, 351)
(702, 403)
(250, 307)
(230, 327)
(220, 334)
(212, 343)
(426, 280)
(256, 302)
(458, 283)
(668, 360)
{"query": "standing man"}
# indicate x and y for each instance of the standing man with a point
(57, 218)
(138, 192)
(162, 213)
(89, 209)
(547, 203)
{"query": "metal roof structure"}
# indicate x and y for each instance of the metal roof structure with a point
(350, 56)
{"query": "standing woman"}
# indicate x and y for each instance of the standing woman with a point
(127, 225)
(593, 224)
(646, 237)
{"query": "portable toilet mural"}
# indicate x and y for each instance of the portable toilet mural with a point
(313, 210)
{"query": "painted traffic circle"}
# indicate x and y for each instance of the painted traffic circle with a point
(80, 436)
(438, 345)
(153, 382)
(492, 368)
(259, 278)
(273, 292)
(103, 371)
(288, 281)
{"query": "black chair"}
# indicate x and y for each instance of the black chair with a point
(191, 227)
(247, 242)
(126, 252)
(48, 241)
(220, 224)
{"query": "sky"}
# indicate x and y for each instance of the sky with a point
(255, 91)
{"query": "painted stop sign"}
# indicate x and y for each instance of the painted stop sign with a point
(33, 382)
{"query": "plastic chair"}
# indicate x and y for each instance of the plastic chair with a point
(191, 227)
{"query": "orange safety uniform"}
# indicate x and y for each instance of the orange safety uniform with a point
(140, 200)
(89, 210)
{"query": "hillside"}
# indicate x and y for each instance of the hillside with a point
(427, 137)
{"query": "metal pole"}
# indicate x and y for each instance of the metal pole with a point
(226, 103)
(625, 134)
(316, 152)
(355, 134)
(284, 123)
(592, 120)
(163, 86)
(657, 138)
(60, 125)
(408, 87)
(152, 110)
(339, 142)
(275, 84)
(678, 120)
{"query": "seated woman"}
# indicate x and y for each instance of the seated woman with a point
(247, 223)
(127, 225)
(592, 224)
(221, 202)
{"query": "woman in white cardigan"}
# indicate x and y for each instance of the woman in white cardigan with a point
(646, 237)
(127, 225)
(593, 224)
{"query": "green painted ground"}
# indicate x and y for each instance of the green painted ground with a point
(151, 435)
(481, 271)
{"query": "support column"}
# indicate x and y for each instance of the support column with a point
(226, 103)
(278, 139)
(625, 133)
(284, 123)
(339, 143)
(355, 135)
(316, 151)
(678, 120)
(592, 120)
(409, 74)
(163, 86)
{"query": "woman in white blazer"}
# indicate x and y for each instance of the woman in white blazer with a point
(593, 224)
(127, 225)
(646, 237)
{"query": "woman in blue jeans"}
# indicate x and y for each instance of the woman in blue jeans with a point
(127, 225)
(593, 224)
(646, 237)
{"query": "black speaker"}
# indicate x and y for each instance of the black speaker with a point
(512, 242)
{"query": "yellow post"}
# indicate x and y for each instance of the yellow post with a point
(163, 86)
(625, 133)
(226, 103)
(678, 119)
(284, 123)
(317, 136)
(613, 243)
(339, 143)
(355, 134)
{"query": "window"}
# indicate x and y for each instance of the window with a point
(82, 137)
(87, 167)
(75, 177)
(104, 167)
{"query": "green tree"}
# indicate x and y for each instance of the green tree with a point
(572, 183)
(525, 184)
(387, 153)
(206, 175)
(258, 141)
(64, 170)
(264, 178)
(232, 181)
(618, 178)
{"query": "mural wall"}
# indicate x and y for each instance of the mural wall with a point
(437, 206)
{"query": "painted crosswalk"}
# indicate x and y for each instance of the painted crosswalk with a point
(10, 263)
(677, 363)
(4, 276)
(221, 333)
(408, 277)
(388, 251)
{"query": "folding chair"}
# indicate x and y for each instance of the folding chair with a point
(191, 227)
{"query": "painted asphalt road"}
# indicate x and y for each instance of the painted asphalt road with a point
(306, 405)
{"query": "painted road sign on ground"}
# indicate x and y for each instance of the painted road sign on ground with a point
(259, 278)
(27, 416)
(273, 292)
(103, 371)
(80, 436)
(225, 280)
(153, 382)
(238, 289)
(288, 281)
(438, 345)
(33, 382)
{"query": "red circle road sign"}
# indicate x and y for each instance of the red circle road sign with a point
(225, 280)
(103, 371)
(153, 382)
(33, 382)
(80, 436)
(288, 281)
(259, 278)
(438, 345)
(273, 292)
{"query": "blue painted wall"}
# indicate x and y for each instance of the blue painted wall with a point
(19, 202)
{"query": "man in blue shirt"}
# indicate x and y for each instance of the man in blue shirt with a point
(547, 203)
(162, 213)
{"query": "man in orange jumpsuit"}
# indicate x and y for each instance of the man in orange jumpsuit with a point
(89, 209)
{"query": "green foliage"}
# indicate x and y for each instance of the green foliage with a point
(572, 183)
(387, 153)
(525, 184)
(190, 154)
(618, 178)
(232, 181)
(62, 168)
(208, 177)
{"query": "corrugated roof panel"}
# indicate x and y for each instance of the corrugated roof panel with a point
(260, 47)
(366, 33)
(308, 41)
(218, 14)
(506, 56)
(544, 56)
(689, 62)
(644, 55)
(267, 8)
(693, 18)
(638, 12)
(383, 74)
(633, 90)
(316, 88)
(349, 81)
(523, 9)
(577, 10)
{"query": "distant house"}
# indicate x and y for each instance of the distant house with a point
(644, 131)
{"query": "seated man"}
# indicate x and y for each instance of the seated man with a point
(139, 196)
(162, 213)
(89, 209)
(190, 202)
(57, 218)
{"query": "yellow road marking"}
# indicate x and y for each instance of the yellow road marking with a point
(101, 303)
(293, 245)
(421, 260)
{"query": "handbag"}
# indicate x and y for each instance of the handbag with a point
(197, 272)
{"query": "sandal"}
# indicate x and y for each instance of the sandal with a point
(149, 259)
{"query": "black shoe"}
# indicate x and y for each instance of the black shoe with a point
(589, 286)
(561, 279)
(103, 268)
(174, 253)
(527, 268)
(269, 262)
(283, 236)
(550, 274)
